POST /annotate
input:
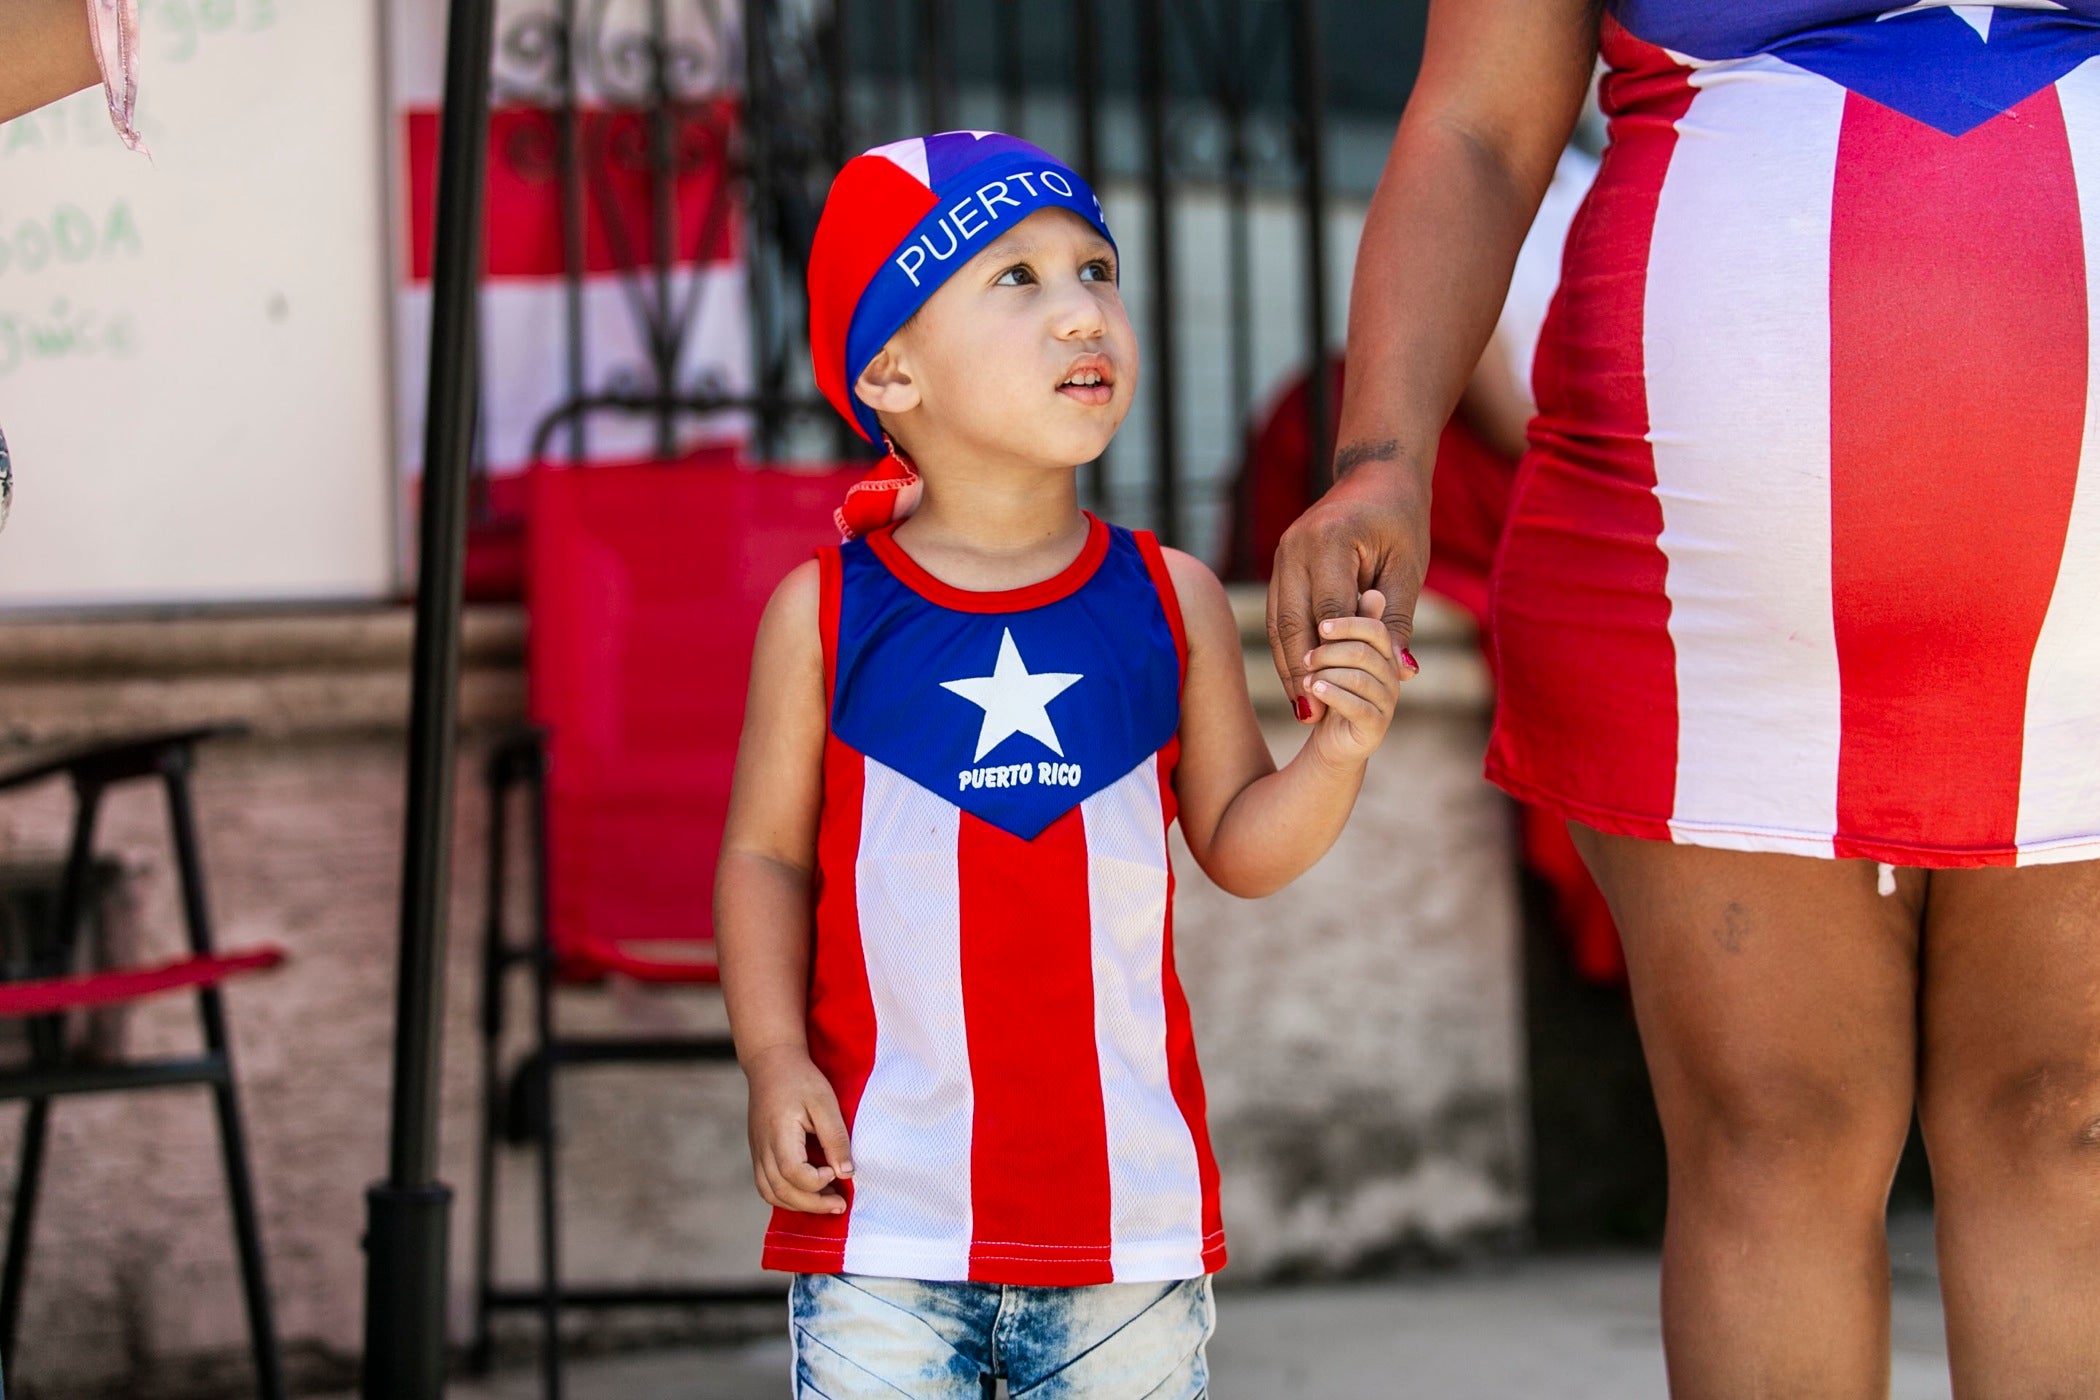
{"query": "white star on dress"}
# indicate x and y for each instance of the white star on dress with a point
(1013, 701)
(1977, 17)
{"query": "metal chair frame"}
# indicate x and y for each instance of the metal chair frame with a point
(519, 1106)
(53, 1071)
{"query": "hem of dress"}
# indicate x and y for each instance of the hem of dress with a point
(1045, 1266)
(1772, 841)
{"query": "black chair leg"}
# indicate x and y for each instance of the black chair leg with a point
(247, 1238)
(28, 1172)
(481, 1351)
(550, 1196)
(233, 1144)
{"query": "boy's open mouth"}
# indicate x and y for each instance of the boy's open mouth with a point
(1090, 380)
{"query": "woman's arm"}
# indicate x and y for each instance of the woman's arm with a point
(1252, 828)
(45, 54)
(1500, 86)
(763, 909)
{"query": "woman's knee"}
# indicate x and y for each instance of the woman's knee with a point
(1784, 1137)
(2032, 1124)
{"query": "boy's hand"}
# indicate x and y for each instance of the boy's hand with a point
(791, 1102)
(1354, 674)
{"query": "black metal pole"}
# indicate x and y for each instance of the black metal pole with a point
(408, 1214)
(1166, 437)
(1312, 157)
(1086, 82)
(761, 102)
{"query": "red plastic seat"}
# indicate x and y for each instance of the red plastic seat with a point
(644, 587)
(44, 995)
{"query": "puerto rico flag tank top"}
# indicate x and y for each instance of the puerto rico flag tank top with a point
(992, 991)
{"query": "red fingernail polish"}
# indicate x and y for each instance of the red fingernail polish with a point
(1301, 707)
(1409, 658)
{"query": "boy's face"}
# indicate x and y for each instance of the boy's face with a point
(1025, 353)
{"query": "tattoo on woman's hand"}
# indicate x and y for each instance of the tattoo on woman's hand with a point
(1354, 454)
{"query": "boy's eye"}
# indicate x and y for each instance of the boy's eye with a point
(1016, 276)
(1100, 270)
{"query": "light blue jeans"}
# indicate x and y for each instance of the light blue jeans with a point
(860, 1338)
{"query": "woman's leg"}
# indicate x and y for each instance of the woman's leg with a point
(1776, 997)
(2009, 1095)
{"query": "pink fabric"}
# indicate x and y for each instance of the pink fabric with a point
(113, 27)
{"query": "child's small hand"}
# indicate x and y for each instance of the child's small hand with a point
(792, 1102)
(1354, 674)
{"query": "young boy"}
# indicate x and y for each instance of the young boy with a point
(944, 904)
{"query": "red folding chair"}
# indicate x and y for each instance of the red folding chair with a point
(51, 988)
(644, 586)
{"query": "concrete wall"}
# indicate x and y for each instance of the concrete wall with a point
(1359, 1031)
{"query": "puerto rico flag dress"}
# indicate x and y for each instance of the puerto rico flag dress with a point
(1805, 556)
(992, 992)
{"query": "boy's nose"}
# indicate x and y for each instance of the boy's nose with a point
(1078, 315)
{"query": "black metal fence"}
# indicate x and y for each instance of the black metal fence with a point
(1179, 111)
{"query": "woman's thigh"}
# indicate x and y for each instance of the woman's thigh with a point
(1776, 997)
(2010, 1064)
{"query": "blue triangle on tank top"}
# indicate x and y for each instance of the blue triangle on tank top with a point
(1015, 717)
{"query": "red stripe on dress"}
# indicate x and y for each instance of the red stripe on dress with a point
(1587, 714)
(1039, 1145)
(1184, 1075)
(1957, 404)
(523, 218)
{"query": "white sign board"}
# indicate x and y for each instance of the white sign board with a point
(193, 349)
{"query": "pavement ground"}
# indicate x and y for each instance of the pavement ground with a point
(1536, 1328)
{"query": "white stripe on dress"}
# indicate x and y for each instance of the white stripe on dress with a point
(911, 1146)
(2060, 750)
(1737, 353)
(1155, 1191)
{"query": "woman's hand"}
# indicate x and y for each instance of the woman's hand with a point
(792, 1102)
(1367, 535)
(1355, 673)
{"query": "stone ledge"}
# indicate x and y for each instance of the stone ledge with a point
(289, 675)
(344, 672)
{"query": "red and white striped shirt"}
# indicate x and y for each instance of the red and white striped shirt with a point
(993, 994)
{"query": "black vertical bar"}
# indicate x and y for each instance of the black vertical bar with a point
(569, 158)
(838, 138)
(1086, 76)
(1152, 80)
(409, 1213)
(1013, 71)
(233, 1144)
(936, 72)
(1312, 156)
(494, 944)
(1237, 94)
(663, 210)
(760, 102)
(543, 973)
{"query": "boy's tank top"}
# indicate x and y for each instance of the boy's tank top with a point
(992, 991)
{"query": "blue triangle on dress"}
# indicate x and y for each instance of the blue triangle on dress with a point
(1934, 67)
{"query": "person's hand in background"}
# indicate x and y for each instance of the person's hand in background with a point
(54, 48)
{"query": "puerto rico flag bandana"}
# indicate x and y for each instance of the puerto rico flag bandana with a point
(900, 219)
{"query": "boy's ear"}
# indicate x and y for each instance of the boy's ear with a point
(886, 384)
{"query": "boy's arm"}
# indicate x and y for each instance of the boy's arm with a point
(763, 904)
(1252, 828)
